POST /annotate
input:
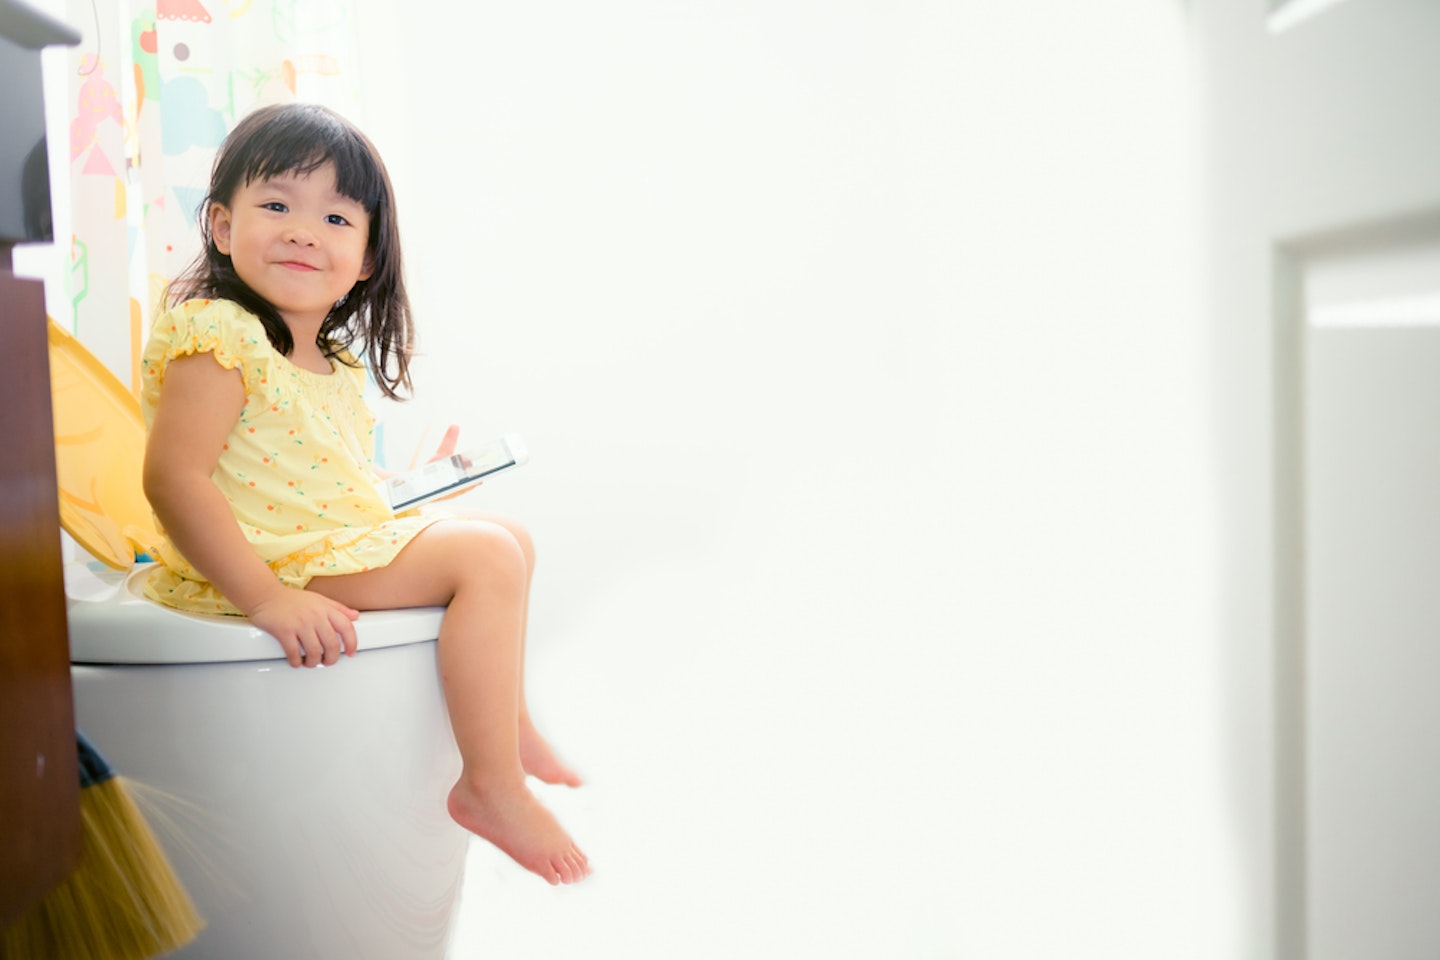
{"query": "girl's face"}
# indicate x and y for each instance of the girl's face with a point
(296, 242)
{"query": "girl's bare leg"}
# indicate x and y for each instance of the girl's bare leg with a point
(478, 570)
(536, 755)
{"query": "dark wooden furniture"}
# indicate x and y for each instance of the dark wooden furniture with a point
(39, 780)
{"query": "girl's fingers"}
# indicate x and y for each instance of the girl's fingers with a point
(314, 649)
(321, 645)
(334, 641)
(344, 627)
(447, 442)
(321, 640)
(293, 652)
(348, 641)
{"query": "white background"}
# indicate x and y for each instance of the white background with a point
(857, 349)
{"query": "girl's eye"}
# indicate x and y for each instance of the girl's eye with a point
(336, 219)
(274, 205)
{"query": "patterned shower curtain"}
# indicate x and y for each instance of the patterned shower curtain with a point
(151, 100)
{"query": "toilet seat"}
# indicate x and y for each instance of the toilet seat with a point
(112, 621)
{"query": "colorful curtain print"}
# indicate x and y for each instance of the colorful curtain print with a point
(151, 100)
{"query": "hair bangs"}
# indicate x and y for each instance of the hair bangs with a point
(302, 141)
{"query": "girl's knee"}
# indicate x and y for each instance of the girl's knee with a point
(516, 530)
(515, 527)
(523, 538)
(492, 551)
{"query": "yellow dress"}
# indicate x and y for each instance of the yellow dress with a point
(298, 467)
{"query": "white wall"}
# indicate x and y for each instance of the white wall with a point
(897, 295)
(719, 249)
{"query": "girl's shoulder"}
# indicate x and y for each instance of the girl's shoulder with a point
(223, 328)
(201, 326)
(237, 339)
(204, 314)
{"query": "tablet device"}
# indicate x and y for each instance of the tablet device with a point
(454, 473)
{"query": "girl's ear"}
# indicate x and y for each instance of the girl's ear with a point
(220, 227)
(367, 266)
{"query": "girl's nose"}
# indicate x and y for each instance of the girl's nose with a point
(300, 236)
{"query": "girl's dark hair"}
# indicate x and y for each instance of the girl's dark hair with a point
(300, 138)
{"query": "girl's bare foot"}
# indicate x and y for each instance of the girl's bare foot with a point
(540, 761)
(511, 818)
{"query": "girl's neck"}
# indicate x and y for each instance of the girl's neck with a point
(306, 353)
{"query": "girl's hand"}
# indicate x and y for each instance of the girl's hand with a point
(447, 443)
(312, 629)
(447, 448)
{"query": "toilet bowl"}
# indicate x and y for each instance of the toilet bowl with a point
(303, 810)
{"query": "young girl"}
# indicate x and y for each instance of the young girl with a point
(258, 463)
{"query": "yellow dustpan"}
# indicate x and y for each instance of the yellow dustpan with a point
(99, 454)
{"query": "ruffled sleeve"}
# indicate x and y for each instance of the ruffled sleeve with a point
(220, 327)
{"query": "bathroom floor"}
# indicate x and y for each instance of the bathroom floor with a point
(764, 775)
(814, 731)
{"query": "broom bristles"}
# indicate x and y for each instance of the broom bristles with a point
(124, 902)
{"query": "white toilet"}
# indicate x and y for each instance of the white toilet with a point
(304, 810)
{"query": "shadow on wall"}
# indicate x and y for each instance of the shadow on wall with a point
(35, 195)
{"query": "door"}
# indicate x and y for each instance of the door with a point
(1322, 188)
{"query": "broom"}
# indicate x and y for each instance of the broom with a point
(124, 901)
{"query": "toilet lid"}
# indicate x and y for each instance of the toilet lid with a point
(99, 455)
